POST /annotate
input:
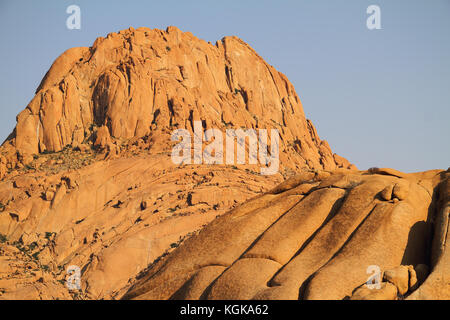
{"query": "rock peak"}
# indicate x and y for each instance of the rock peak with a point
(148, 82)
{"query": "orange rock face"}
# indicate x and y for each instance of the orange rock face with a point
(111, 218)
(87, 183)
(87, 178)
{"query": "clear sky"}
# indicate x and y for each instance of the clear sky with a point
(381, 98)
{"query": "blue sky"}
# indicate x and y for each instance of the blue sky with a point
(379, 97)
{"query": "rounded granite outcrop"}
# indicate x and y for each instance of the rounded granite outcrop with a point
(313, 237)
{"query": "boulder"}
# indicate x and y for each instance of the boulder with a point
(400, 277)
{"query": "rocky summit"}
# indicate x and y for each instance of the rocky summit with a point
(139, 85)
(92, 205)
